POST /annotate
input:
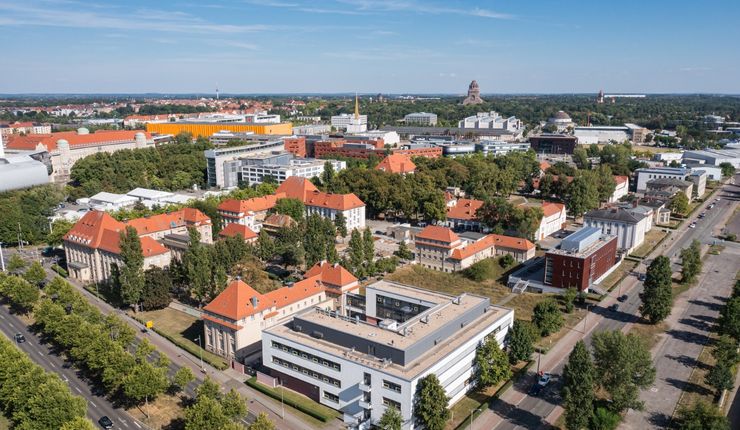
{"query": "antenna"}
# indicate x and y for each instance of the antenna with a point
(216, 90)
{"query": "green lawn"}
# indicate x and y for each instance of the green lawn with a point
(616, 276)
(652, 238)
(4, 423)
(181, 329)
(452, 283)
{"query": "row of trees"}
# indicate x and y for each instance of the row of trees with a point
(25, 213)
(35, 399)
(619, 366)
(724, 350)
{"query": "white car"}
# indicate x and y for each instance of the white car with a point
(692, 225)
(544, 379)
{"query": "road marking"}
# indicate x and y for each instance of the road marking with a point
(137, 424)
(41, 353)
(93, 403)
(52, 364)
(11, 325)
(78, 390)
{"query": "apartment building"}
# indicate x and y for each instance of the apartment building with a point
(628, 224)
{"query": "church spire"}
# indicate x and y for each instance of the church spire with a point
(357, 107)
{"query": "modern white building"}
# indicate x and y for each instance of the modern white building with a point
(389, 137)
(421, 118)
(103, 201)
(596, 134)
(282, 165)
(629, 226)
(647, 174)
(223, 164)
(361, 366)
(262, 118)
(311, 129)
(498, 147)
(715, 157)
(349, 123)
(491, 120)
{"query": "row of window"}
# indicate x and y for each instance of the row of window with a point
(388, 385)
(307, 372)
(391, 403)
(331, 397)
(306, 356)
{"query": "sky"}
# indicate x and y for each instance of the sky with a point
(369, 46)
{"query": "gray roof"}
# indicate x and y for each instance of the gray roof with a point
(614, 214)
(669, 182)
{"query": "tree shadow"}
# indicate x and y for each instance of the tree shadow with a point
(516, 416)
(616, 315)
(706, 318)
(721, 299)
(689, 337)
(709, 305)
(689, 387)
(697, 324)
(659, 419)
(688, 361)
(176, 424)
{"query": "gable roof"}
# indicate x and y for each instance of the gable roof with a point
(91, 229)
(439, 233)
(340, 202)
(234, 229)
(235, 302)
(255, 204)
(549, 209)
(396, 163)
(464, 209)
(332, 274)
(166, 221)
(621, 179)
(102, 137)
(614, 214)
(498, 240)
(295, 187)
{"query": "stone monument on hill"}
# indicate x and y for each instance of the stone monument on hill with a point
(473, 97)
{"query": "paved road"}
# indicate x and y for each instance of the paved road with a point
(515, 409)
(42, 354)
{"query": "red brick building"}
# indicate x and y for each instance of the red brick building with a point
(296, 145)
(582, 259)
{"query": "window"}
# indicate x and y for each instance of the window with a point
(391, 403)
(331, 397)
(388, 385)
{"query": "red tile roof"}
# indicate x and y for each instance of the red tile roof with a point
(621, 179)
(544, 165)
(332, 274)
(397, 163)
(340, 202)
(101, 137)
(235, 302)
(549, 209)
(296, 187)
(167, 221)
(234, 229)
(99, 230)
(255, 204)
(497, 240)
(438, 233)
(464, 209)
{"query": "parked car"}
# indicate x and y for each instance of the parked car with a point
(544, 379)
(19, 338)
(105, 422)
(622, 298)
(692, 225)
(641, 277)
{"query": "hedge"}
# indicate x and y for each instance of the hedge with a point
(319, 415)
(60, 270)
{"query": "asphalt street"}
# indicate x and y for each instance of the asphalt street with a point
(531, 412)
(97, 404)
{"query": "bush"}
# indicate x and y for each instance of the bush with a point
(604, 419)
(506, 261)
(480, 271)
(60, 270)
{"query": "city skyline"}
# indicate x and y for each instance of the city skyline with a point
(388, 46)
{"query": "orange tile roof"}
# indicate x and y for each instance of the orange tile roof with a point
(99, 230)
(340, 202)
(544, 165)
(549, 209)
(332, 274)
(235, 302)
(167, 221)
(397, 163)
(464, 209)
(255, 204)
(220, 321)
(621, 179)
(439, 233)
(295, 187)
(234, 229)
(498, 240)
(101, 137)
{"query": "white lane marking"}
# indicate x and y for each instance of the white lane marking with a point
(52, 364)
(78, 390)
(11, 325)
(41, 353)
(93, 403)
(137, 424)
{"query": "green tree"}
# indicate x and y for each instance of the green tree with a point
(182, 377)
(583, 195)
(356, 254)
(691, 262)
(265, 246)
(580, 157)
(35, 273)
(145, 382)
(59, 228)
(157, 292)
(491, 364)
(727, 169)
(720, 377)
(547, 317)
(623, 367)
(506, 261)
(701, 416)
(480, 270)
(294, 208)
(340, 222)
(234, 405)
(403, 251)
(327, 176)
(729, 318)
(657, 293)
(520, 341)
(569, 298)
(262, 423)
(131, 276)
(205, 414)
(578, 387)
(604, 419)
(430, 405)
(390, 420)
(725, 350)
(52, 405)
(79, 423)
(679, 204)
(208, 388)
(21, 293)
(368, 245)
(15, 263)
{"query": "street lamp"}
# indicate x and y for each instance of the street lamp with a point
(282, 402)
(2, 260)
(471, 418)
(200, 352)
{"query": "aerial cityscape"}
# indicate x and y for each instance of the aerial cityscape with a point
(369, 214)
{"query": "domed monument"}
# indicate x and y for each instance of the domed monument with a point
(473, 97)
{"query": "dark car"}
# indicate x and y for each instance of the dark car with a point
(19, 338)
(105, 422)
(613, 308)
(622, 298)
(641, 276)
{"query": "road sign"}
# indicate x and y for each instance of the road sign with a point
(149, 324)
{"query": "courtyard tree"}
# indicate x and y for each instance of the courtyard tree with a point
(679, 204)
(391, 419)
(491, 364)
(262, 422)
(520, 341)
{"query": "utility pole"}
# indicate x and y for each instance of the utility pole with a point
(2, 260)
(200, 351)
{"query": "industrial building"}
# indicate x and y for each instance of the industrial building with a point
(281, 165)
(399, 334)
(715, 157)
(547, 143)
(491, 120)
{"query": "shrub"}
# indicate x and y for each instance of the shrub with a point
(604, 419)
(480, 271)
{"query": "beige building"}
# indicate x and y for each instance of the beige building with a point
(66, 148)
(92, 246)
(439, 248)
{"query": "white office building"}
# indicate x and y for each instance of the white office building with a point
(645, 175)
(491, 120)
(349, 123)
(282, 165)
(596, 134)
(223, 166)
(715, 157)
(262, 118)
(399, 334)
(421, 118)
(498, 147)
(311, 129)
(628, 225)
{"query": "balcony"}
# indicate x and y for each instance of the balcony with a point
(364, 404)
(365, 388)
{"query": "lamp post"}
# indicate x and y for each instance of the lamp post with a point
(2, 260)
(471, 418)
(200, 352)
(282, 402)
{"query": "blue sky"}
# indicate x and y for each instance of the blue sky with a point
(391, 46)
